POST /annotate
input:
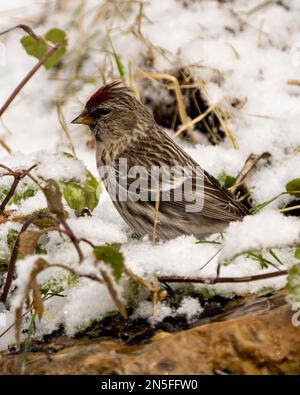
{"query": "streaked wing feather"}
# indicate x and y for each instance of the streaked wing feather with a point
(218, 204)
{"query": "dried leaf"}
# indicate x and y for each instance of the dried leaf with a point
(37, 298)
(18, 322)
(54, 197)
(28, 241)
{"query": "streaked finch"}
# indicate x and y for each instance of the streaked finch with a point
(126, 132)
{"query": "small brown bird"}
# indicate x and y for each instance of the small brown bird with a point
(124, 129)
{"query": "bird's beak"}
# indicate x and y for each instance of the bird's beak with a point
(84, 118)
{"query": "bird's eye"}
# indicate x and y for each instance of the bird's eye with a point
(99, 112)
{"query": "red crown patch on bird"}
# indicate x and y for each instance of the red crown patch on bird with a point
(104, 93)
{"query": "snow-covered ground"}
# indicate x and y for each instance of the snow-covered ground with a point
(241, 53)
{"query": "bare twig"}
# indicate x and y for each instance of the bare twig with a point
(211, 281)
(14, 254)
(287, 209)
(72, 237)
(29, 75)
(176, 87)
(196, 120)
(248, 166)
(18, 175)
(229, 135)
(156, 211)
(9, 194)
(75, 273)
(26, 28)
(64, 126)
(5, 146)
(109, 284)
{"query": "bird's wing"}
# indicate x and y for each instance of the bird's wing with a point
(209, 199)
(204, 194)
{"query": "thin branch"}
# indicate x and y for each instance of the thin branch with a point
(110, 286)
(64, 126)
(6, 168)
(9, 194)
(75, 273)
(211, 258)
(72, 237)
(26, 28)
(28, 76)
(14, 255)
(18, 175)
(156, 210)
(5, 146)
(84, 240)
(286, 209)
(211, 281)
(196, 120)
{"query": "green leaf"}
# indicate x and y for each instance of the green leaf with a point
(55, 35)
(111, 257)
(34, 47)
(74, 195)
(81, 197)
(293, 283)
(55, 57)
(297, 253)
(293, 187)
(226, 180)
(21, 193)
(38, 48)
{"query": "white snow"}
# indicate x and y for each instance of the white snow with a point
(263, 230)
(145, 310)
(190, 307)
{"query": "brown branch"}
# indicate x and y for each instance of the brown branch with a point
(14, 255)
(9, 194)
(72, 236)
(5, 146)
(109, 284)
(210, 281)
(6, 168)
(26, 28)
(75, 273)
(84, 240)
(18, 175)
(28, 76)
